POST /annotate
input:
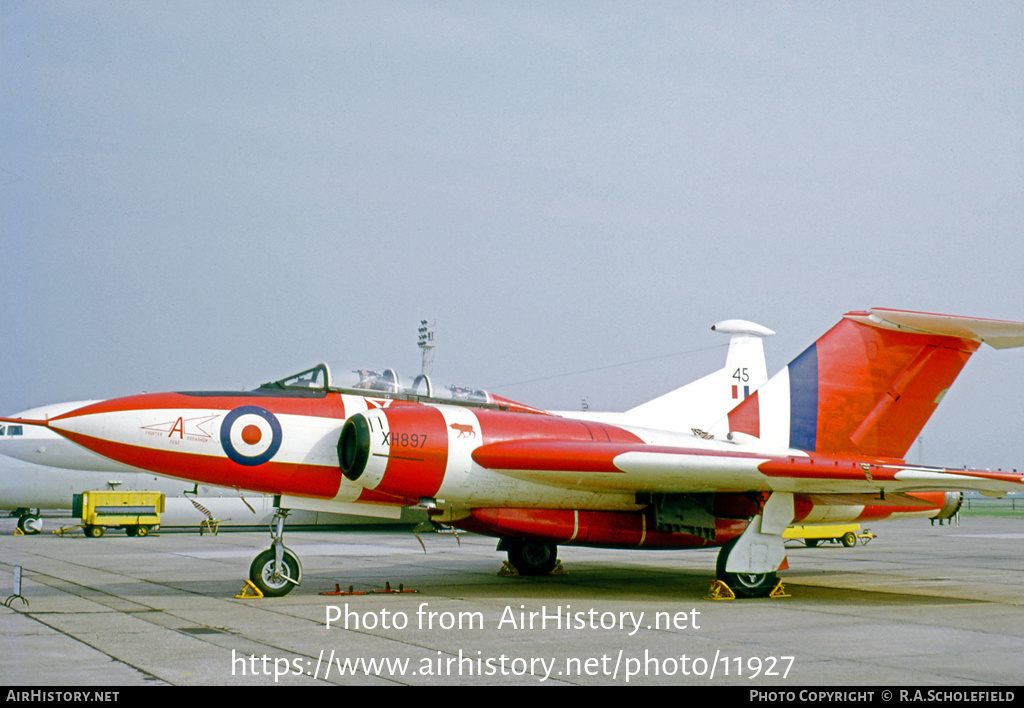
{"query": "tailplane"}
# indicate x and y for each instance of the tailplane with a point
(705, 402)
(869, 384)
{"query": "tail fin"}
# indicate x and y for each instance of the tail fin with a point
(869, 384)
(704, 402)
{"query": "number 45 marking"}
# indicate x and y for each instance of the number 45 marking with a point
(742, 375)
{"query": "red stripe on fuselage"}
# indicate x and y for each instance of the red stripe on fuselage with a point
(549, 455)
(581, 456)
(330, 406)
(270, 477)
(531, 442)
(500, 426)
(417, 441)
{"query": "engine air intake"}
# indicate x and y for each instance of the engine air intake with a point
(354, 447)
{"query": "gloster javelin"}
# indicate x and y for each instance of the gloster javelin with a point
(823, 441)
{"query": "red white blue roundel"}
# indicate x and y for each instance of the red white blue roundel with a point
(250, 435)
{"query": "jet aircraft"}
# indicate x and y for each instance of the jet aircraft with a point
(27, 488)
(821, 441)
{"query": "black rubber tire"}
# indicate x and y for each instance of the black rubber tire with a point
(744, 584)
(848, 539)
(24, 524)
(261, 573)
(533, 557)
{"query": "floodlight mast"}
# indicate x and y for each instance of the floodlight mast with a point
(426, 345)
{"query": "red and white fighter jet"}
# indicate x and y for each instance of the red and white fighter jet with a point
(821, 441)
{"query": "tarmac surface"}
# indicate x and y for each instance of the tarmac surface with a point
(919, 605)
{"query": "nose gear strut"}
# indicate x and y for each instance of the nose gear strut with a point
(276, 570)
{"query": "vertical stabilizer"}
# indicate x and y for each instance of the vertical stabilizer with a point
(869, 384)
(706, 401)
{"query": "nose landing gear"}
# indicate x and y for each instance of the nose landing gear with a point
(276, 570)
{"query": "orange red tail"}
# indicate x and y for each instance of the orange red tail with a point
(869, 384)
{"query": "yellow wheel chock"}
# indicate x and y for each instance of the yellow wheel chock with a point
(720, 591)
(249, 592)
(509, 571)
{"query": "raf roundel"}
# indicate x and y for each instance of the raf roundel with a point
(250, 435)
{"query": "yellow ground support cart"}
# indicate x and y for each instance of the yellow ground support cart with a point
(136, 512)
(846, 534)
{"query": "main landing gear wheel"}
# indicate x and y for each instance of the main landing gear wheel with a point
(272, 584)
(531, 557)
(744, 584)
(30, 524)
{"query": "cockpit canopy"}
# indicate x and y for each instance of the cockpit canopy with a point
(387, 383)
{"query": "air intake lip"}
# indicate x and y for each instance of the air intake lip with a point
(354, 447)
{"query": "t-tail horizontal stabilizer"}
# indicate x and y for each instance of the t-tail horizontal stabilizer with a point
(704, 402)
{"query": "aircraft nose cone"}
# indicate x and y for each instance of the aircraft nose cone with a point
(28, 436)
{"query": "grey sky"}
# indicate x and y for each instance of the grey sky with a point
(212, 195)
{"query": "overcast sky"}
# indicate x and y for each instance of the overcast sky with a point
(212, 195)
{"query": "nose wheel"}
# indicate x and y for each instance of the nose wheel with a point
(276, 570)
(273, 578)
